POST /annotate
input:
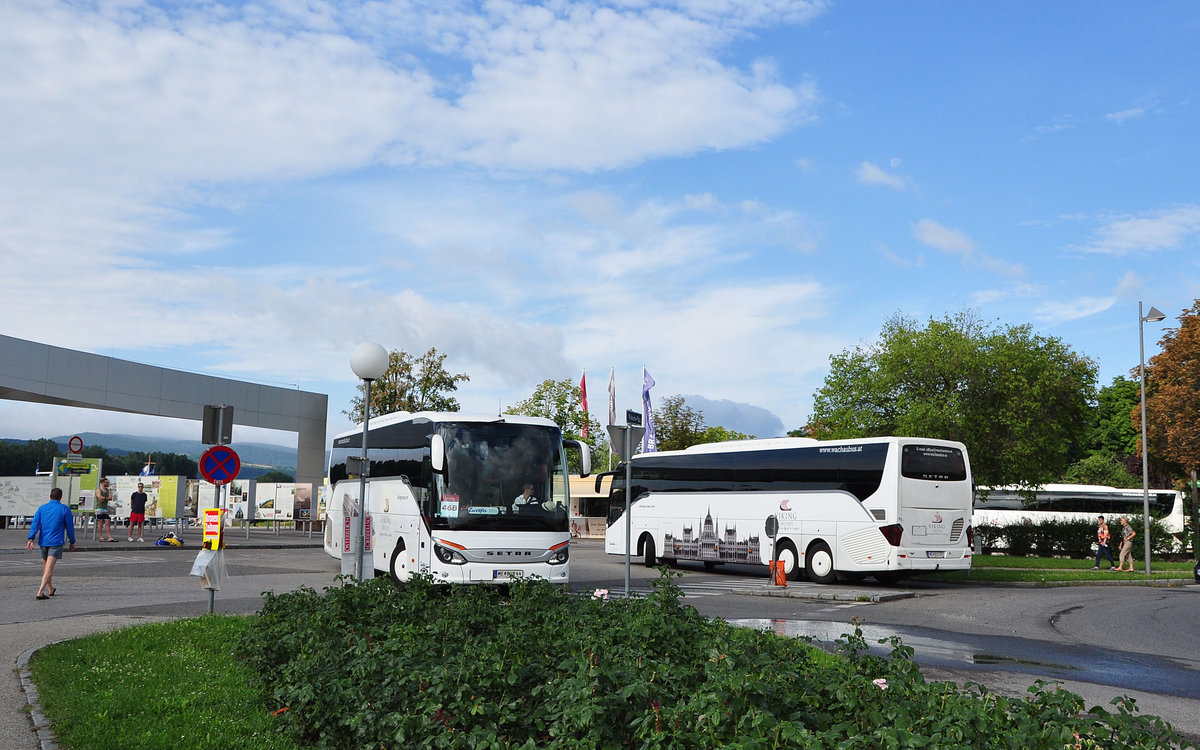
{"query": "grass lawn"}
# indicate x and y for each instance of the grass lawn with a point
(1005, 569)
(168, 685)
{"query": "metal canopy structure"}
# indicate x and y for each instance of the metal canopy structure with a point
(46, 374)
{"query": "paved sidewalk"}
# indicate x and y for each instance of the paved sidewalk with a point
(259, 537)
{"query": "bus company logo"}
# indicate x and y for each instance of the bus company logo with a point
(937, 517)
(785, 504)
(842, 449)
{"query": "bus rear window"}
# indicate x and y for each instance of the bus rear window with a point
(933, 462)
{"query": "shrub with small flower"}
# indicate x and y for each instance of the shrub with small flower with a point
(374, 665)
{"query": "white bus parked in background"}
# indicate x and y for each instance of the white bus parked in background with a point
(885, 507)
(445, 497)
(1001, 506)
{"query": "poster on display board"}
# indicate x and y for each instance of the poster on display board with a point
(124, 486)
(275, 501)
(21, 496)
(234, 499)
(77, 478)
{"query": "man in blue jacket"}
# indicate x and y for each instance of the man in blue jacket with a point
(53, 521)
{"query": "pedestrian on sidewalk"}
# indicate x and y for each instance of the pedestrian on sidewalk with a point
(137, 512)
(1127, 535)
(1102, 539)
(51, 523)
(103, 511)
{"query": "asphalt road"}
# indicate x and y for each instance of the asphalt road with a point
(1101, 642)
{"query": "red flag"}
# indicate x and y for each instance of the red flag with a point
(583, 400)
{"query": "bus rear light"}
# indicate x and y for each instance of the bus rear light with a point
(971, 537)
(892, 533)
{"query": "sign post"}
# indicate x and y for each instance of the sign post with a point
(627, 435)
(220, 466)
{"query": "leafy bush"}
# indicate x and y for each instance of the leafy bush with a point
(378, 666)
(1051, 537)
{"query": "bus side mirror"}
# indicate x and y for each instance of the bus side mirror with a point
(585, 455)
(437, 454)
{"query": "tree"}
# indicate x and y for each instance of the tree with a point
(1112, 439)
(1019, 401)
(410, 384)
(277, 476)
(558, 400)
(1173, 397)
(720, 434)
(677, 425)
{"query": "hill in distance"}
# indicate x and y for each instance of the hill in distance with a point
(251, 454)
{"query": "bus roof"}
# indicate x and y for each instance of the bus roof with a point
(397, 417)
(758, 444)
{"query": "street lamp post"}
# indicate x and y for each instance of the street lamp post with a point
(369, 362)
(1153, 316)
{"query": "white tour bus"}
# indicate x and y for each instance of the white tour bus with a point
(885, 507)
(446, 497)
(1002, 506)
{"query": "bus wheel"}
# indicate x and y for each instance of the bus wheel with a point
(786, 554)
(648, 548)
(820, 564)
(396, 555)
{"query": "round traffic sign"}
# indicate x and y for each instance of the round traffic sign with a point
(75, 444)
(220, 464)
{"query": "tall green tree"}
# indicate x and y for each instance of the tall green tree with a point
(410, 384)
(1019, 401)
(677, 425)
(1112, 440)
(558, 400)
(1173, 399)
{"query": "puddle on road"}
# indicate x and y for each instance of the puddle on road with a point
(943, 650)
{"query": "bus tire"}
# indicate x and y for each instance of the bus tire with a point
(786, 554)
(648, 550)
(396, 555)
(819, 564)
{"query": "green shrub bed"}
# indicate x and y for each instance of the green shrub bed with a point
(374, 665)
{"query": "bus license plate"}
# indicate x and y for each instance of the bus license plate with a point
(937, 553)
(507, 574)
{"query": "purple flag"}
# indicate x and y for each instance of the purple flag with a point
(649, 441)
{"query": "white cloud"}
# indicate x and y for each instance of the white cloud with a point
(871, 174)
(1081, 307)
(1126, 114)
(1164, 229)
(956, 242)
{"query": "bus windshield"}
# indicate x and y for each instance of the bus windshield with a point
(500, 477)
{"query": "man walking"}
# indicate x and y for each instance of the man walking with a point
(51, 523)
(137, 511)
(1102, 538)
(1127, 535)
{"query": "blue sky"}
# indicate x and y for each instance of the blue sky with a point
(725, 193)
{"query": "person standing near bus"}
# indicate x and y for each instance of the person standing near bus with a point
(137, 512)
(104, 511)
(1127, 535)
(1102, 539)
(51, 523)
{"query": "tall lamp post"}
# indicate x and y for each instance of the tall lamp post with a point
(369, 362)
(1153, 316)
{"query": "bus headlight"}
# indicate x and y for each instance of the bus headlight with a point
(448, 556)
(560, 555)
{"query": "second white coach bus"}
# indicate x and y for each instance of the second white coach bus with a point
(463, 499)
(1005, 505)
(886, 507)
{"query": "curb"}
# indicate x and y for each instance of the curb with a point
(41, 725)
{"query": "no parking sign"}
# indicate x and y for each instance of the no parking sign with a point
(220, 464)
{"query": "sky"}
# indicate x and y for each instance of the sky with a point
(722, 193)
